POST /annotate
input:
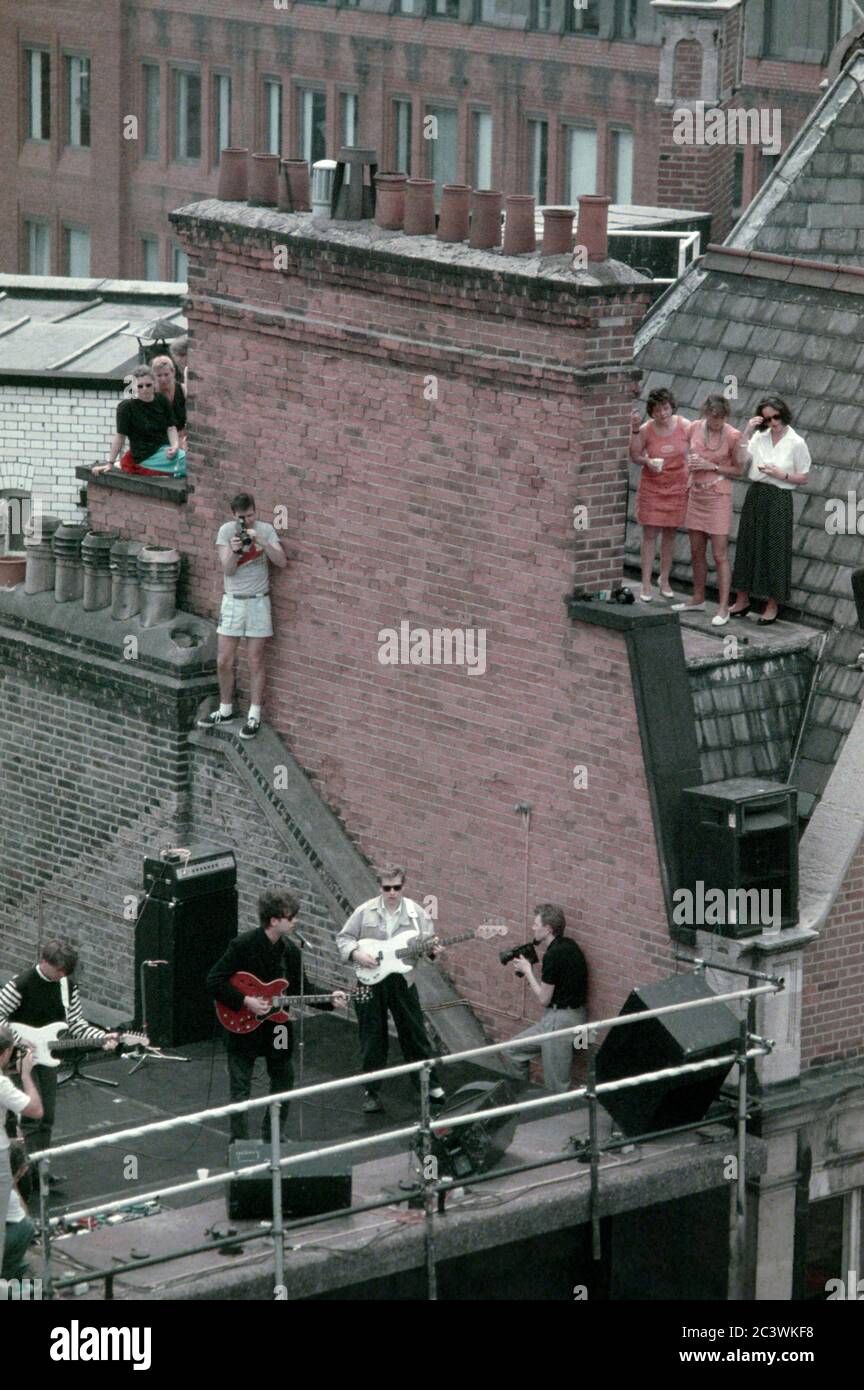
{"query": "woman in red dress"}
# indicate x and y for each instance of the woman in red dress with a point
(660, 447)
(716, 457)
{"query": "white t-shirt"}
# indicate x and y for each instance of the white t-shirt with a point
(789, 453)
(11, 1098)
(251, 575)
(16, 1210)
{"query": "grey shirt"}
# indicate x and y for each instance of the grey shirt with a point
(370, 920)
(251, 575)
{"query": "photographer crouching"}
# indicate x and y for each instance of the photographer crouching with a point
(247, 547)
(562, 990)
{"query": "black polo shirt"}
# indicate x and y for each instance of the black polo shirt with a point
(564, 967)
(145, 424)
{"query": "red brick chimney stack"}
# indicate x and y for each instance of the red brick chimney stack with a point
(701, 57)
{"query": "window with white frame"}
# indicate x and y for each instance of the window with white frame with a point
(152, 99)
(221, 114)
(580, 162)
(38, 247)
(621, 151)
(15, 508)
(76, 251)
(179, 265)
(312, 124)
(78, 102)
(150, 258)
(441, 133)
(402, 136)
(187, 114)
(538, 159)
(481, 151)
(583, 17)
(38, 65)
(273, 115)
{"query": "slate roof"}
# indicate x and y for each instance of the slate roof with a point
(780, 306)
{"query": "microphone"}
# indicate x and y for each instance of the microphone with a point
(154, 962)
(298, 936)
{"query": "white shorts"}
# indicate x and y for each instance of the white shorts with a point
(245, 617)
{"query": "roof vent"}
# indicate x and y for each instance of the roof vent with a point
(322, 184)
(353, 195)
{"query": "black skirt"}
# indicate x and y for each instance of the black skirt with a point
(763, 553)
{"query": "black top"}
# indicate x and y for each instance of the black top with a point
(564, 967)
(145, 424)
(178, 406)
(254, 952)
(41, 1000)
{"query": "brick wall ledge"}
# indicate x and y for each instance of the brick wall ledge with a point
(623, 617)
(164, 489)
(353, 242)
(65, 628)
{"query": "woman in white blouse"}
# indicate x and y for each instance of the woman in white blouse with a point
(780, 462)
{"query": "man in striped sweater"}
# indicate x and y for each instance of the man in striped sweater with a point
(37, 997)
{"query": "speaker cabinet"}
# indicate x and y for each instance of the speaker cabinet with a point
(474, 1148)
(694, 1035)
(190, 936)
(308, 1189)
(741, 837)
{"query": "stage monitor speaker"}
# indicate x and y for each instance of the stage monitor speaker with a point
(189, 935)
(476, 1147)
(308, 1189)
(668, 1041)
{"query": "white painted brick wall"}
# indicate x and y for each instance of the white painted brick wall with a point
(45, 434)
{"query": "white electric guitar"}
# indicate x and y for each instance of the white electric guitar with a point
(48, 1040)
(402, 953)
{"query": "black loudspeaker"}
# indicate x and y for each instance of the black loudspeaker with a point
(694, 1035)
(476, 1147)
(189, 932)
(741, 837)
(308, 1189)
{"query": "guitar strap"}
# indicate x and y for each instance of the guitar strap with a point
(64, 995)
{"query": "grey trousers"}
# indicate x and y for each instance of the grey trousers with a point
(5, 1192)
(557, 1054)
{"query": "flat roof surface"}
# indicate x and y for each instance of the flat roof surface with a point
(55, 324)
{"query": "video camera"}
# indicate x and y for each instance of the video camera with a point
(527, 950)
(243, 534)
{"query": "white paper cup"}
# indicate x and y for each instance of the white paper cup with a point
(657, 465)
(203, 1173)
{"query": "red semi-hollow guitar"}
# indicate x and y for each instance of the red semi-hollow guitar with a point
(244, 1021)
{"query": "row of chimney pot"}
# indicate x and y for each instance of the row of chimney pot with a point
(406, 204)
(128, 577)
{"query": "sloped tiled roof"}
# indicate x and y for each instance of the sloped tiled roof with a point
(780, 307)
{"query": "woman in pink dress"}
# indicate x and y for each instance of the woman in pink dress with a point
(660, 447)
(716, 456)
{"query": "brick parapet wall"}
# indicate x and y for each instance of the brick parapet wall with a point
(832, 1026)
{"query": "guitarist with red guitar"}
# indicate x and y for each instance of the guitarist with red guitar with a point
(40, 997)
(260, 968)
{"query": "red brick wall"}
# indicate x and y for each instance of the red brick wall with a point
(449, 514)
(696, 176)
(121, 196)
(832, 1026)
(687, 70)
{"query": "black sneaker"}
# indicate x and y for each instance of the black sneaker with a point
(372, 1105)
(211, 720)
(250, 728)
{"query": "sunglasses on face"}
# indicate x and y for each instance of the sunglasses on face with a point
(391, 887)
(769, 418)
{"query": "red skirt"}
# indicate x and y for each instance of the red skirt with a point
(662, 497)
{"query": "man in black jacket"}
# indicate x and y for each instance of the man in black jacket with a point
(268, 954)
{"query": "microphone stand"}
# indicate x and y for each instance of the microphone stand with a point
(302, 1042)
(150, 1054)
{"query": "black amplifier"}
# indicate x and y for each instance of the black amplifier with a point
(308, 1189)
(189, 871)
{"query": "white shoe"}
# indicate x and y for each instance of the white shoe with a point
(646, 598)
(667, 593)
(688, 608)
(720, 620)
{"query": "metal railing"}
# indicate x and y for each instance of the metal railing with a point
(423, 1132)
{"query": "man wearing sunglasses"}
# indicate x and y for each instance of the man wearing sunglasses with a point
(382, 919)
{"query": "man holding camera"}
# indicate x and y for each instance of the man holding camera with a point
(246, 549)
(562, 990)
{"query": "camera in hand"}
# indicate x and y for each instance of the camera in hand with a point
(243, 535)
(527, 951)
